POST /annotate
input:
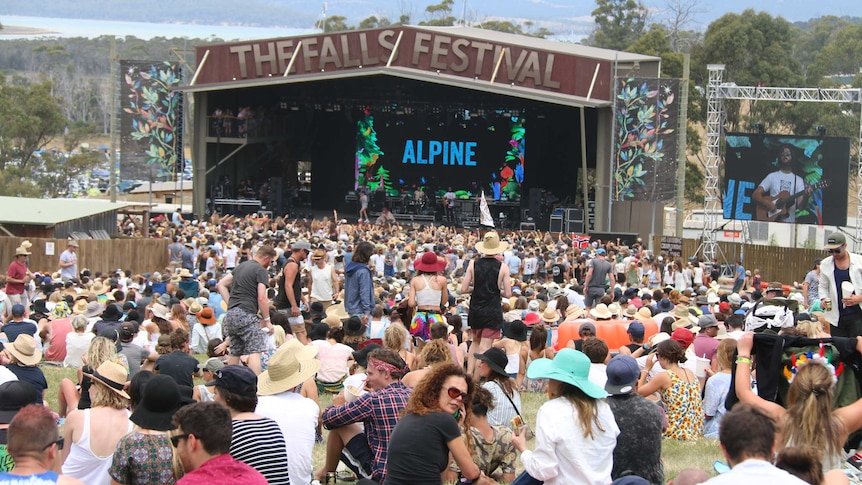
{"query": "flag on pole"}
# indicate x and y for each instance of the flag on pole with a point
(486, 219)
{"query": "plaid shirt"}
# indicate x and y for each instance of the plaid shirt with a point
(379, 411)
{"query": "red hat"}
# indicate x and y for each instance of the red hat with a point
(724, 307)
(683, 336)
(532, 318)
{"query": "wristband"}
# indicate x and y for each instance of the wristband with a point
(267, 319)
(743, 360)
(743, 356)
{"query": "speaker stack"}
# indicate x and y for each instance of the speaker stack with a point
(570, 220)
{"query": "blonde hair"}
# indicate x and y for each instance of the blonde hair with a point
(810, 328)
(724, 353)
(278, 335)
(434, 352)
(809, 418)
(395, 336)
(105, 397)
(100, 351)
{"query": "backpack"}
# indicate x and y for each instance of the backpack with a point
(774, 315)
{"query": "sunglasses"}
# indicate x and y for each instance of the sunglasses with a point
(60, 443)
(834, 251)
(455, 393)
(175, 440)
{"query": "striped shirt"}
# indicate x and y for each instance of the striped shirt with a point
(260, 444)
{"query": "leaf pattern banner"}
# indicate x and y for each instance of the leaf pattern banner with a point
(646, 117)
(151, 120)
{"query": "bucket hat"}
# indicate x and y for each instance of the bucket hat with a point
(161, 399)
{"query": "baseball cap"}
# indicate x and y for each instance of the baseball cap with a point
(302, 244)
(623, 372)
(212, 364)
(707, 321)
(236, 379)
(600, 251)
(127, 331)
(835, 240)
(636, 329)
(683, 336)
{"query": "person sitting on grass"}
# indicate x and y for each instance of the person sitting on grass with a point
(35, 444)
(493, 451)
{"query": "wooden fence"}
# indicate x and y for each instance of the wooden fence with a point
(138, 254)
(775, 263)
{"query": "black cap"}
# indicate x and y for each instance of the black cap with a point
(237, 379)
(361, 356)
(14, 395)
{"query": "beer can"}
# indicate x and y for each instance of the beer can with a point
(827, 304)
(331, 478)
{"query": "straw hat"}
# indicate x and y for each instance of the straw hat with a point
(24, 350)
(491, 244)
(112, 375)
(99, 288)
(643, 314)
(336, 315)
(615, 309)
(160, 311)
(22, 251)
(574, 312)
(195, 307)
(550, 315)
(185, 273)
(288, 367)
(601, 311)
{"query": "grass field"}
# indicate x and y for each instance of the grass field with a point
(677, 455)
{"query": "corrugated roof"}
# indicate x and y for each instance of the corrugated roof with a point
(163, 187)
(50, 212)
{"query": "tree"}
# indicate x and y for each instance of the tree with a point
(694, 183)
(501, 26)
(440, 14)
(335, 23)
(813, 37)
(31, 119)
(841, 55)
(373, 22)
(680, 14)
(619, 23)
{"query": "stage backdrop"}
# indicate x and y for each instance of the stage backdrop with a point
(646, 115)
(821, 164)
(468, 151)
(151, 123)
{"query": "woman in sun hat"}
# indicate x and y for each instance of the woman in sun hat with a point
(507, 400)
(578, 449)
(145, 455)
(24, 358)
(428, 293)
(486, 280)
(514, 343)
(92, 434)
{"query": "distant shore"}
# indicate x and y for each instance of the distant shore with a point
(18, 30)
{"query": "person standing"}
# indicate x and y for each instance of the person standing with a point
(840, 272)
(358, 283)
(244, 290)
(811, 285)
(175, 250)
(323, 286)
(599, 273)
(289, 295)
(739, 281)
(486, 279)
(17, 277)
(69, 261)
(449, 198)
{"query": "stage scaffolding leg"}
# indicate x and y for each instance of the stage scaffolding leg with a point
(712, 199)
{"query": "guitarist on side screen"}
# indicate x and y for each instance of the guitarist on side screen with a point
(781, 182)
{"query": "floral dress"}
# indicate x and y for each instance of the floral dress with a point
(684, 408)
(142, 458)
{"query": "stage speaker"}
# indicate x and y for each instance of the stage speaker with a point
(575, 227)
(556, 224)
(276, 198)
(535, 203)
(574, 214)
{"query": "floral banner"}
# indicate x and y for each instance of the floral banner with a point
(151, 121)
(646, 116)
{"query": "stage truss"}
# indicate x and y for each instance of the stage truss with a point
(716, 92)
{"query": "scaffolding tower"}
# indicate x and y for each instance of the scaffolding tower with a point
(716, 92)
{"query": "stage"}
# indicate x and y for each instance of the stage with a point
(395, 111)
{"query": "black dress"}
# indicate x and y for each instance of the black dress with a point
(485, 308)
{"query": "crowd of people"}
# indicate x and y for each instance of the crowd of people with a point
(428, 339)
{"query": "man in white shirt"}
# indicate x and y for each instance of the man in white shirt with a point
(747, 440)
(378, 262)
(531, 266)
(230, 256)
(781, 180)
(597, 350)
(279, 399)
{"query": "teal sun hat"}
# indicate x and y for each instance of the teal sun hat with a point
(569, 366)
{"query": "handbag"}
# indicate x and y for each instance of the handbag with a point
(528, 432)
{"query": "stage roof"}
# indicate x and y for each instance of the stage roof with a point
(464, 57)
(50, 212)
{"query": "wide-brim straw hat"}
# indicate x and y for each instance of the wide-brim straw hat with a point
(288, 367)
(601, 311)
(160, 311)
(336, 312)
(491, 244)
(185, 273)
(643, 314)
(569, 366)
(550, 315)
(24, 350)
(80, 306)
(574, 312)
(112, 375)
(22, 251)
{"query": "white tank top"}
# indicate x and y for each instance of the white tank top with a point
(513, 363)
(321, 283)
(428, 296)
(83, 464)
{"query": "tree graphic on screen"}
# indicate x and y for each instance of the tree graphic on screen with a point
(367, 155)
